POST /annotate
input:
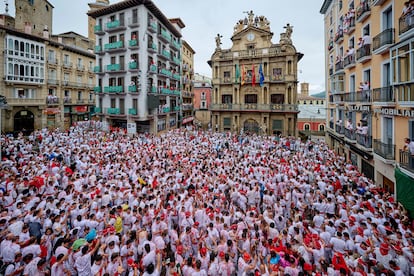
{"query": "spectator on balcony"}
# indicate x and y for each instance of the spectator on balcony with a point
(359, 128)
(366, 43)
(349, 125)
(360, 43)
(409, 147)
(406, 9)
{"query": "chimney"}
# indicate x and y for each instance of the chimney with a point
(28, 28)
(46, 32)
(304, 88)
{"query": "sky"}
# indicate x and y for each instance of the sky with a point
(205, 19)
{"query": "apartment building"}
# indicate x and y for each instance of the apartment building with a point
(43, 72)
(370, 86)
(202, 100)
(138, 67)
(255, 81)
(187, 94)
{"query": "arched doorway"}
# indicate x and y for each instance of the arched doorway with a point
(24, 121)
(251, 126)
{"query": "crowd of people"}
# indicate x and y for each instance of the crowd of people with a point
(187, 202)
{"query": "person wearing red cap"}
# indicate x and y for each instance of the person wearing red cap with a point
(226, 266)
(245, 264)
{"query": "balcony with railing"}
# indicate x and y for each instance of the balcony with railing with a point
(98, 50)
(364, 140)
(339, 37)
(384, 95)
(349, 61)
(339, 129)
(176, 60)
(53, 61)
(132, 88)
(406, 24)
(113, 111)
(98, 30)
(53, 82)
(133, 44)
(132, 111)
(152, 47)
(165, 72)
(114, 46)
(67, 65)
(363, 11)
(386, 151)
(114, 89)
(115, 67)
(383, 41)
(152, 89)
(133, 66)
(152, 26)
(153, 69)
(407, 160)
(350, 134)
(339, 66)
(165, 36)
(115, 25)
(330, 44)
(98, 109)
(363, 96)
(349, 27)
(97, 89)
(175, 44)
(363, 54)
(98, 70)
(52, 100)
(289, 108)
(165, 54)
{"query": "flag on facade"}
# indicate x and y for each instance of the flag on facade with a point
(261, 75)
(253, 76)
(243, 75)
(237, 80)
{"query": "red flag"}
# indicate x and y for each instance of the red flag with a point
(253, 76)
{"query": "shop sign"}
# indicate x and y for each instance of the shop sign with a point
(395, 112)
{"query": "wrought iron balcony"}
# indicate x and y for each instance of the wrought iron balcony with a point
(363, 10)
(364, 53)
(406, 23)
(383, 94)
(256, 107)
(407, 160)
(383, 41)
(386, 151)
(364, 140)
(350, 134)
(339, 129)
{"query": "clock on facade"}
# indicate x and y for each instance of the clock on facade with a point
(250, 36)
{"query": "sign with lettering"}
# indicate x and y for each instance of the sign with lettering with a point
(358, 108)
(395, 112)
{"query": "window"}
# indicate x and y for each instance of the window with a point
(66, 59)
(226, 99)
(226, 75)
(250, 99)
(79, 95)
(277, 98)
(306, 127)
(226, 121)
(321, 128)
(387, 130)
(277, 124)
